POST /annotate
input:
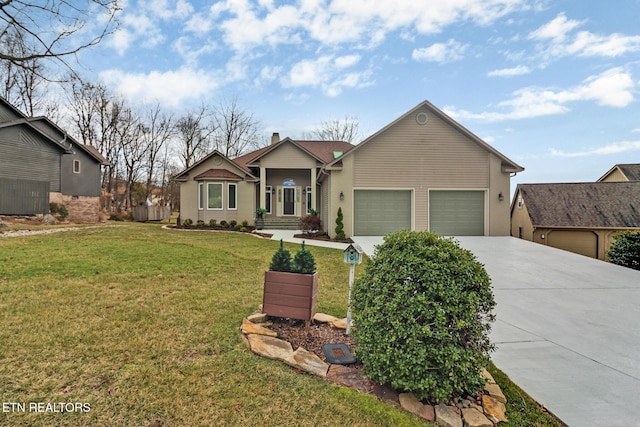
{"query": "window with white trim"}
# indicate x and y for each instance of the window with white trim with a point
(232, 195)
(267, 191)
(214, 195)
(201, 195)
(76, 166)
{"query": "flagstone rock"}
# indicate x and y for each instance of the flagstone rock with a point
(258, 317)
(270, 347)
(341, 324)
(495, 392)
(486, 375)
(474, 418)
(495, 410)
(324, 318)
(349, 377)
(447, 416)
(410, 402)
(308, 362)
(249, 327)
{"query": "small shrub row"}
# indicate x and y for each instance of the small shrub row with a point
(214, 225)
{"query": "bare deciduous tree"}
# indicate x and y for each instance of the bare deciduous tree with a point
(194, 136)
(54, 29)
(346, 130)
(236, 131)
(159, 128)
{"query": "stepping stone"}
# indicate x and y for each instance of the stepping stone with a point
(308, 362)
(249, 327)
(270, 347)
(341, 324)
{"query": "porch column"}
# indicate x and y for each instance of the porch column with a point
(313, 188)
(263, 187)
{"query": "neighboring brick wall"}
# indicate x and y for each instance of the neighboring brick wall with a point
(82, 209)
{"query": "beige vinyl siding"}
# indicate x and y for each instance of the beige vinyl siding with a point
(615, 176)
(433, 155)
(287, 156)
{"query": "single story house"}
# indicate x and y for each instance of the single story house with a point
(423, 171)
(40, 163)
(578, 217)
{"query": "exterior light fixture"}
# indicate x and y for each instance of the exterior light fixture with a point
(500, 196)
(341, 195)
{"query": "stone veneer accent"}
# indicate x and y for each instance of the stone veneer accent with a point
(488, 411)
(82, 209)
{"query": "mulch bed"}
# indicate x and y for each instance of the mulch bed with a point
(294, 332)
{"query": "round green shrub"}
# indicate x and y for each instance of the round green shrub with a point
(422, 310)
(187, 222)
(625, 250)
(212, 223)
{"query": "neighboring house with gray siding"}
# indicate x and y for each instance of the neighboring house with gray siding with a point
(40, 163)
(423, 171)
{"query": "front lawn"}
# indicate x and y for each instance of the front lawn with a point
(140, 326)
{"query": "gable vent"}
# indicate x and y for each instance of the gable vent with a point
(422, 118)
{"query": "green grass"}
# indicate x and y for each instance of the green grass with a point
(143, 323)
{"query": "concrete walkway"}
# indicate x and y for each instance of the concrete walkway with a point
(566, 330)
(287, 236)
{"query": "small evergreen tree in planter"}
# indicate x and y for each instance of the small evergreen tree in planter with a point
(291, 287)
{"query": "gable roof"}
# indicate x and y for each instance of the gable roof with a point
(183, 175)
(322, 151)
(219, 174)
(630, 170)
(51, 131)
(507, 164)
(590, 204)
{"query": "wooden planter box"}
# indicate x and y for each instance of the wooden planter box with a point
(291, 295)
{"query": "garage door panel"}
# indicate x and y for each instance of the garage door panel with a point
(579, 242)
(379, 212)
(456, 213)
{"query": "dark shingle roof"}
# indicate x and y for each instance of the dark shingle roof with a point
(593, 204)
(631, 171)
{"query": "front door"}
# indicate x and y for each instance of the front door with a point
(289, 201)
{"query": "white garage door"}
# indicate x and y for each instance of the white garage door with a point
(379, 212)
(456, 213)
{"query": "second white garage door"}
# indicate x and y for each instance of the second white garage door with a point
(379, 212)
(456, 213)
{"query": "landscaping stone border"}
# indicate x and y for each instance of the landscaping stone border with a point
(486, 411)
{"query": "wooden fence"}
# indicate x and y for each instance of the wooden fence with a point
(151, 213)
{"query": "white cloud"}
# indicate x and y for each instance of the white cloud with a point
(509, 72)
(559, 39)
(327, 72)
(169, 88)
(613, 88)
(557, 29)
(440, 52)
(615, 148)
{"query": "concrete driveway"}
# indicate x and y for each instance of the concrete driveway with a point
(566, 330)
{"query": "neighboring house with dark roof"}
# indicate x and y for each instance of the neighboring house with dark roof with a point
(40, 163)
(579, 217)
(622, 173)
(424, 171)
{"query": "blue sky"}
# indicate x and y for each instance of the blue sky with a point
(551, 84)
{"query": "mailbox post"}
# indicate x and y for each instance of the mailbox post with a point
(352, 256)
